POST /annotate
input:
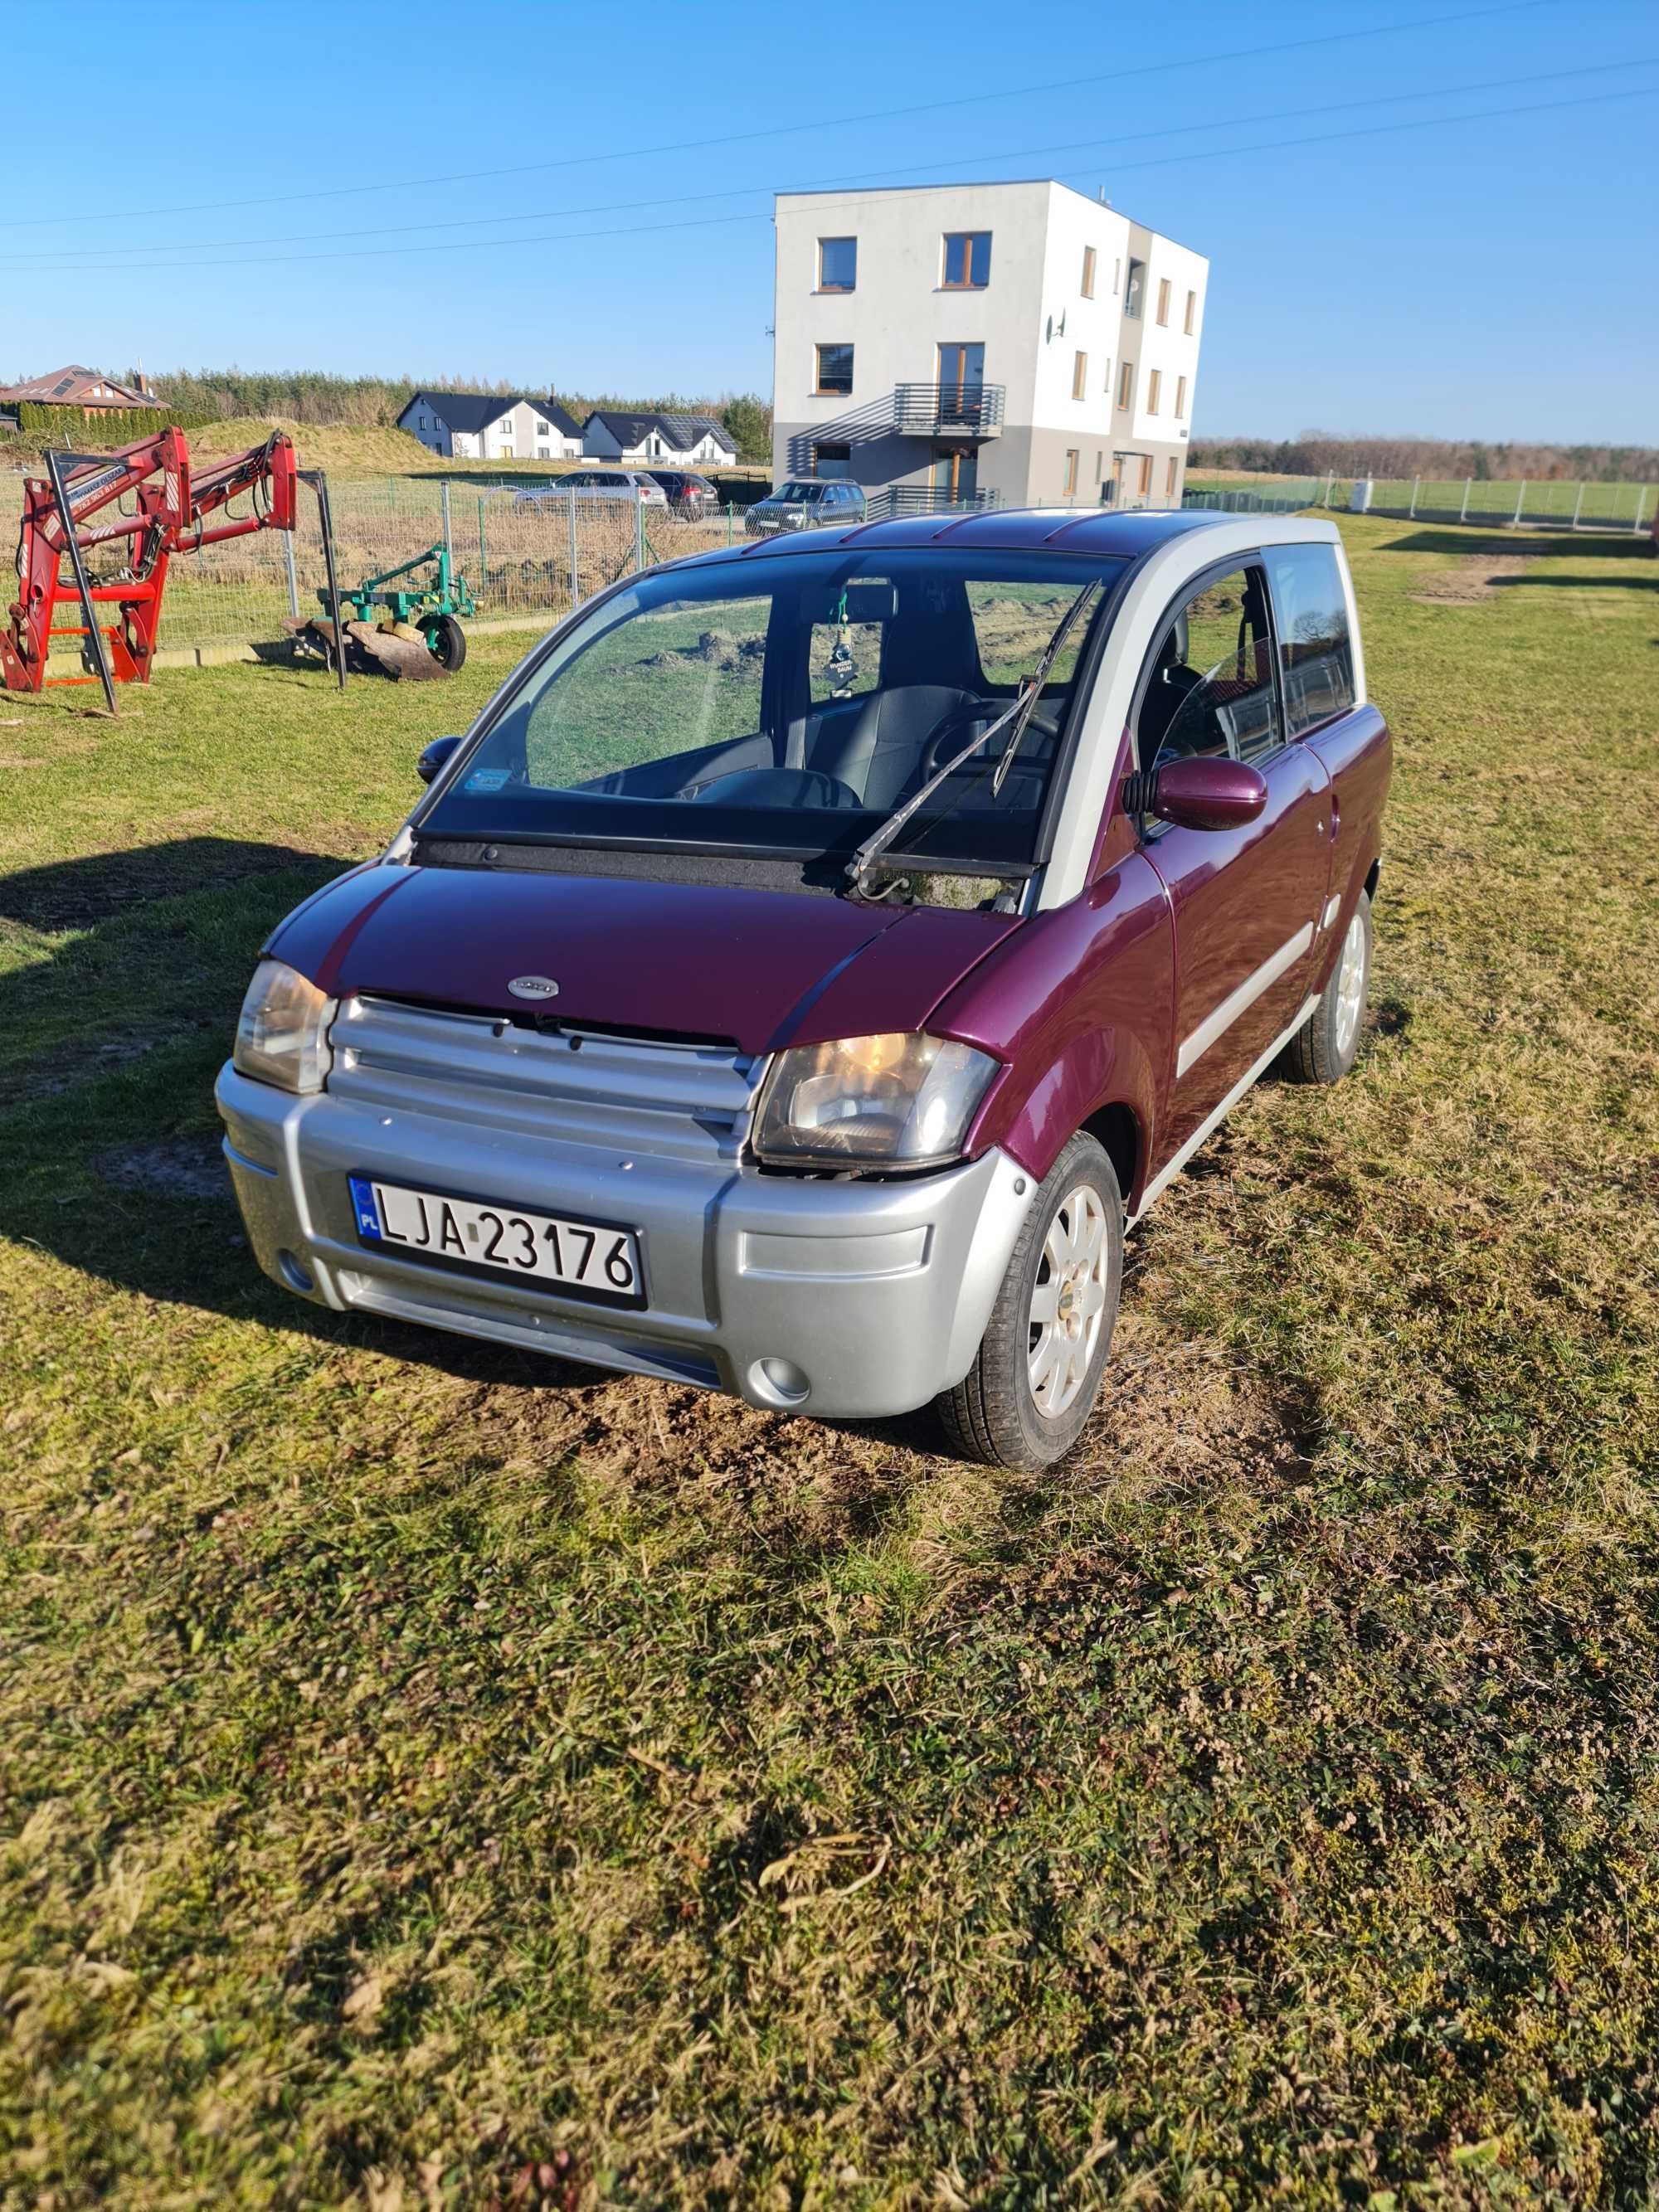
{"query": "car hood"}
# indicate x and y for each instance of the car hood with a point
(762, 968)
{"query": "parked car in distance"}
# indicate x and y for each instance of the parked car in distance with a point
(804, 503)
(819, 953)
(636, 484)
(691, 497)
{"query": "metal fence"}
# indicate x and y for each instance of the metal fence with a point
(1278, 495)
(1555, 504)
(522, 556)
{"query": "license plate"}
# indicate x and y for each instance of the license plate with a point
(590, 1259)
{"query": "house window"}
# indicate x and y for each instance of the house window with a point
(1100, 463)
(1154, 387)
(1181, 399)
(1088, 272)
(1071, 471)
(832, 463)
(1163, 300)
(1146, 484)
(543, 453)
(1118, 275)
(1169, 478)
(1079, 375)
(1106, 377)
(966, 260)
(1133, 289)
(838, 264)
(1125, 382)
(835, 371)
(1192, 312)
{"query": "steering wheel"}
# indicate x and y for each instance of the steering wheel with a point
(949, 736)
(777, 787)
(949, 733)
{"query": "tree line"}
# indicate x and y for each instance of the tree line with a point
(1319, 452)
(311, 396)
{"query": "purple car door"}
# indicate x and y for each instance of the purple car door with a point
(1246, 903)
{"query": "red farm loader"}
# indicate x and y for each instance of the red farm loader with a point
(149, 494)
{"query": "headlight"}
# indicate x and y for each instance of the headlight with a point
(282, 1033)
(903, 1100)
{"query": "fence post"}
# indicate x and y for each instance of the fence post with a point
(1463, 511)
(1520, 500)
(1641, 502)
(576, 598)
(1577, 507)
(639, 536)
(731, 521)
(483, 557)
(292, 580)
(1412, 511)
(449, 535)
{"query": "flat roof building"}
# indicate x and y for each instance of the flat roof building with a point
(1013, 343)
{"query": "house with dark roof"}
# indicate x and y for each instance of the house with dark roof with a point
(684, 440)
(89, 389)
(492, 427)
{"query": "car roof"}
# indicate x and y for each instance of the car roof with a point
(1032, 529)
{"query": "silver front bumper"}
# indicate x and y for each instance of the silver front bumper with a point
(848, 1297)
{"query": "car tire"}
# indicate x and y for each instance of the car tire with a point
(995, 1416)
(1326, 1045)
(448, 642)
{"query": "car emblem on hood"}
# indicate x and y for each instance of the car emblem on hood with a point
(533, 986)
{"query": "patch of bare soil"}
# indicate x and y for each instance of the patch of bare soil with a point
(1473, 582)
(183, 1167)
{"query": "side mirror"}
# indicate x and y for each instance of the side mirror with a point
(1201, 792)
(432, 758)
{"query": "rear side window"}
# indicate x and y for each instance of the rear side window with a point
(1310, 612)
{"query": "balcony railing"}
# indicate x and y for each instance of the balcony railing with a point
(961, 409)
(901, 498)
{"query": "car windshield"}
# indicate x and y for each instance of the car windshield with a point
(797, 495)
(786, 706)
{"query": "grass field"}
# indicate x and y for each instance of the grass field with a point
(430, 1778)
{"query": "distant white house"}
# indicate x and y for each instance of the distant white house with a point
(474, 426)
(682, 441)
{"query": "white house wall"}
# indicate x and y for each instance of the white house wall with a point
(899, 314)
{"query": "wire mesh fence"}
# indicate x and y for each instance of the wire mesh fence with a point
(1555, 504)
(524, 549)
(528, 550)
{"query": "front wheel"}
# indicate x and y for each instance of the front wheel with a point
(448, 642)
(1037, 1375)
(1326, 1045)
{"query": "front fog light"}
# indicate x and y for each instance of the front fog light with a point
(900, 1100)
(282, 1033)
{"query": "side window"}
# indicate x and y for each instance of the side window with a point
(1315, 651)
(1212, 688)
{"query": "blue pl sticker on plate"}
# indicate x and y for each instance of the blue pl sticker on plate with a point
(486, 779)
(368, 1213)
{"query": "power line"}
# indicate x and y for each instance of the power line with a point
(698, 222)
(828, 122)
(62, 256)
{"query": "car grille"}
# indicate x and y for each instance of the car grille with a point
(689, 1101)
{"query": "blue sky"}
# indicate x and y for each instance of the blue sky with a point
(1488, 278)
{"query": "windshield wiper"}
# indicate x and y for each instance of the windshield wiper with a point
(1019, 713)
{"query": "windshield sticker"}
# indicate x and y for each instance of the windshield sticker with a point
(487, 779)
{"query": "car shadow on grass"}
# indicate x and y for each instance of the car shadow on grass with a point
(1528, 544)
(125, 953)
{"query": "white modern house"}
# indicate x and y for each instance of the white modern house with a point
(1019, 344)
(475, 426)
(690, 441)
